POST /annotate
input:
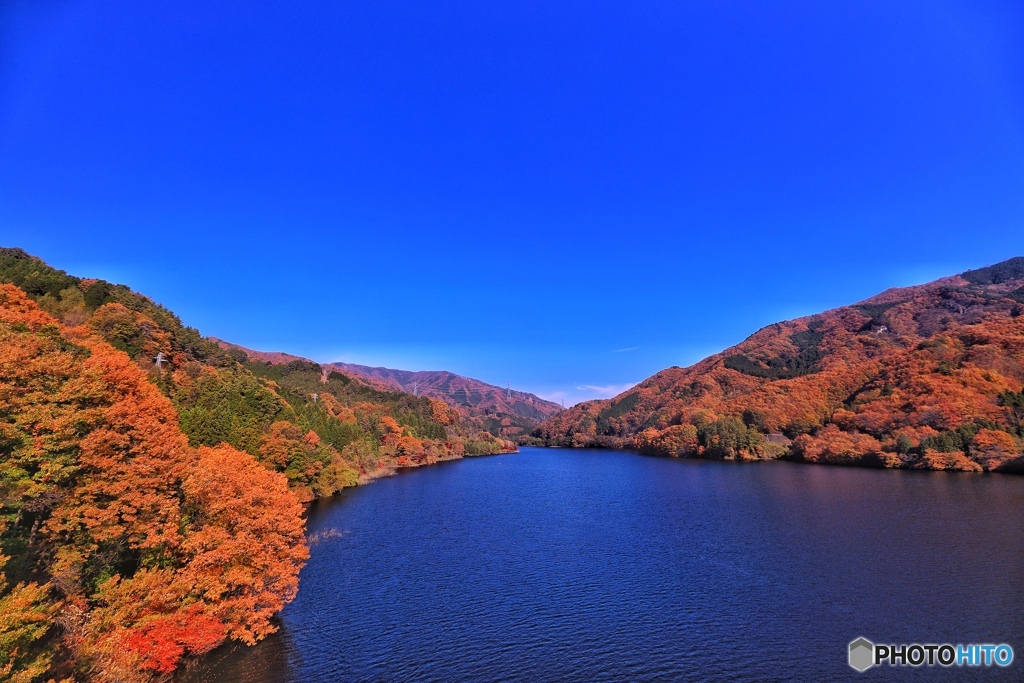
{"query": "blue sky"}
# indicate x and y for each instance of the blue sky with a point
(567, 196)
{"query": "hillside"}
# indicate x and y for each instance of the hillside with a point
(124, 547)
(473, 397)
(501, 412)
(150, 479)
(922, 377)
(322, 429)
(269, 357)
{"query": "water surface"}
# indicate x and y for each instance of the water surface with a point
(590, 566)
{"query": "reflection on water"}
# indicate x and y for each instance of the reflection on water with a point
(563, 565)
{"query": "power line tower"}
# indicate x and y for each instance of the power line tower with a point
(509, 395)
(416, 388)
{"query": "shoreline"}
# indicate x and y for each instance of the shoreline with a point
(384, 472)
(1013, 468)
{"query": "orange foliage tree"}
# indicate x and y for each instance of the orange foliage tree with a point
(905, 379)
(150, 549)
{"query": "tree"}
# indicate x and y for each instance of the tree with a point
(991, 448)
(728, 438)
(26, 617)
(153, 550)
(124, 504)
(245, 544)
(677, 441)
(1014, 403)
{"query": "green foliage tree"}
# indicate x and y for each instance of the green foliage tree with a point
(728, 437)
(1014, 403)
(226, 406)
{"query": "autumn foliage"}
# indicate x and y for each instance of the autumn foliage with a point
(504, 413)
(926, 377)
(125, 548)
(319, 427)
(151, 480)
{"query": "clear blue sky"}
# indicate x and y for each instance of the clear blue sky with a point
(567, 195)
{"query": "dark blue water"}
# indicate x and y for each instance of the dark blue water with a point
(568, 565)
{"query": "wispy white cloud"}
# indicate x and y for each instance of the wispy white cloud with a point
(606, 391)
(570, 396)
(629, 348)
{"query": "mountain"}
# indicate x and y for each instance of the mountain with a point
(323, 429)
(471, 395)
(925, 377)
(124, 544)
(151, 479)
(502, 412)
(269, 357)
(281, 358)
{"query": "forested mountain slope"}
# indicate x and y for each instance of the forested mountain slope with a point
(322, 429)
(919, 377)
(123, 547)
(508, 414)
(150, 480)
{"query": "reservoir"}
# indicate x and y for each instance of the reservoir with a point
(591, 566)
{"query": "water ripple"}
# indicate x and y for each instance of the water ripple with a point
(610, 567)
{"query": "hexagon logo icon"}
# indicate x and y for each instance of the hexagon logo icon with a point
(862, 654)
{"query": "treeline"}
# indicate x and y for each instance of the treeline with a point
(151, 481)
(323, 431)
(927, 377)
(123, 548)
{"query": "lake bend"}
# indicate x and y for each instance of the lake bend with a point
(595, 565)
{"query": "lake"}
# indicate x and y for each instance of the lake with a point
(589, 566)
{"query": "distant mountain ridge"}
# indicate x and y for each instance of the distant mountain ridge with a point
(924, 377)
(151, 479)
(326, 430)
(457, 390)
(272, 357)
(507, 413)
